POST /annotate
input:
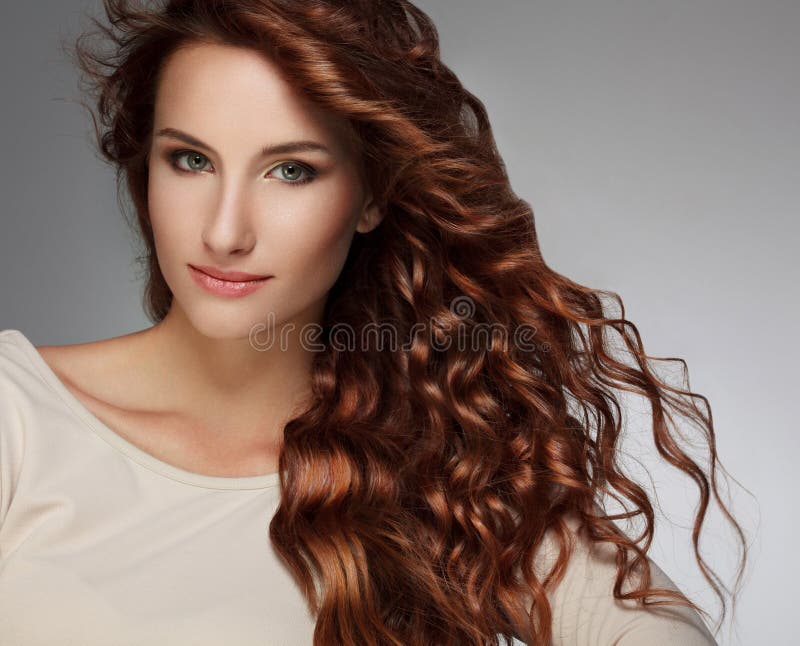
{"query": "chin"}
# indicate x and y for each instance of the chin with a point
(222, 320)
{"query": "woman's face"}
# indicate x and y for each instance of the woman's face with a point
(218, 198)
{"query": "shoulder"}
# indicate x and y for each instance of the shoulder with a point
(77, 364)
(33, 381)
(35, 384)
(586, 613)
(29, 372)
(19, 374)
(95, 372)
(19, 383)
(25, 387)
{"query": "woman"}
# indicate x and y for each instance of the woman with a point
(317, 441)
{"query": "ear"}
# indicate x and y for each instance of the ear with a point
(371, 216)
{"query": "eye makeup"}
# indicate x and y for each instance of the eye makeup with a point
(309, 172)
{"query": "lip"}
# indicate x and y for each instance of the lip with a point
(222, 287)
(233, 276)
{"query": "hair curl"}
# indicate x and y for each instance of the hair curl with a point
(418, 484)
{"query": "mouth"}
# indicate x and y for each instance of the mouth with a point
(225, 287)
(228, 276)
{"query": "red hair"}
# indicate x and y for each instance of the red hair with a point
(418, 483)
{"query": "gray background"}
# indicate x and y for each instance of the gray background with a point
(658, 145)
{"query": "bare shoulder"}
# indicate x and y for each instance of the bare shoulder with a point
(102, 371)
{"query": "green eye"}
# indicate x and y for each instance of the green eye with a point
(290, 172)
(194, 159)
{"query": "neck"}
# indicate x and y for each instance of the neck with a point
(229, 383)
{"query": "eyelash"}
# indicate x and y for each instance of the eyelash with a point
(174, 156)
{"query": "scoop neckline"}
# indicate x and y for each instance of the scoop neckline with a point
(129, 449)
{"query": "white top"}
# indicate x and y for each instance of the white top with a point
(103, 544)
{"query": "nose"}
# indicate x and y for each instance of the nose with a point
(229, 228)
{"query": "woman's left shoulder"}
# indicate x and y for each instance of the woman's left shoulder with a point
(585, 611)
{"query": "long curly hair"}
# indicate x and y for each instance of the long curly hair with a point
(419, 482)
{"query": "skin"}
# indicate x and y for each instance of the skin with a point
(193, 390)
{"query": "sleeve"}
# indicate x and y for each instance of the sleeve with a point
(585, 612)
(11, 443)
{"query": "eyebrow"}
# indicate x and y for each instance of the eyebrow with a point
(266, 151)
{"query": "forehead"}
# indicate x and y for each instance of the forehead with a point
(238, 94)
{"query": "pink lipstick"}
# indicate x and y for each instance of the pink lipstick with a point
(226, 283)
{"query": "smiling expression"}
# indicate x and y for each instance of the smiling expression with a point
(246, 175)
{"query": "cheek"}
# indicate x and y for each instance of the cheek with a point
(169, 203)
(314, 236)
